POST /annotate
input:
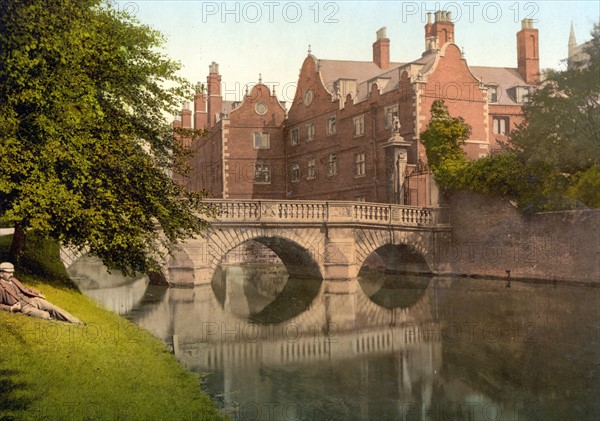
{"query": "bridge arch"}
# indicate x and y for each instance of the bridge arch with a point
(405, 251)
(298, 253)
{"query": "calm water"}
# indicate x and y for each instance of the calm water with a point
(380, 348)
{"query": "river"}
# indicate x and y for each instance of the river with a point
(380, 347)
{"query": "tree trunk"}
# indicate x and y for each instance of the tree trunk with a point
(18, 244)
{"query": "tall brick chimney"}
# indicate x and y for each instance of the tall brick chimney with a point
(186, 116)
(440, 32)
(381, 50)
(200, 114)
(528, 60)
(215, 101)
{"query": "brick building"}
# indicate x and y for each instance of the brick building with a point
(352, 131)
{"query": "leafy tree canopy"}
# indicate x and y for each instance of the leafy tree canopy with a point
(443, 140)
(85, 148)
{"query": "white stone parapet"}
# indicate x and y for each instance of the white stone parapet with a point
(330, 212)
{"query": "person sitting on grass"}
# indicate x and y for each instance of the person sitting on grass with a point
(16, 297)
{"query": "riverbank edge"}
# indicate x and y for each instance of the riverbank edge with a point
(108, 369)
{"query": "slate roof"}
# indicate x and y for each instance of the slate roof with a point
(505, 77)
(364, 71)
(332, 70)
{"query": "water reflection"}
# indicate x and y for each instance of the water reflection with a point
(263, 294)
(111, 290)
(392, 291)
(384, 347)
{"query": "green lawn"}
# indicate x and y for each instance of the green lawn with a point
(108, 369)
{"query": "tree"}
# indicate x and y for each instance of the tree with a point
(562, 120)
(443, 140)
(86, 150)
(562, 130)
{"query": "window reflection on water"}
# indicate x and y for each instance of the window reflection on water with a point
(385, 347)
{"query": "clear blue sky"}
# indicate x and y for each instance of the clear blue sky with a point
(272, 37)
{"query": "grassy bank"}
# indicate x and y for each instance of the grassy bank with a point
(108, 369)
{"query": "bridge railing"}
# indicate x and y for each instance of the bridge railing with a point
(325, 212)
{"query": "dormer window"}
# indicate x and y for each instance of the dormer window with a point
(492, 93)
(380, 81)
(520, 94)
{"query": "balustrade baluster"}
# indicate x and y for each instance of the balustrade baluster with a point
(392, 214)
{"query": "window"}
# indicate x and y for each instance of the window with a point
(295, 175)
(524, 94)
(331, 125)
(332, 164)
(312, 173)
(310, 132)
(359, 164)
(389, 114)
(261, 140)
(262, 173)
(500, 125)
(520, 93)
(294, 137)
(492, 93)
(359, 125)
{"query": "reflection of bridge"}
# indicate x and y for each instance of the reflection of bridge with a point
(329, 240)
(300, 340)
(340, 333)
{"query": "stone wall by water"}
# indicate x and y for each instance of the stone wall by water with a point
(490, 236)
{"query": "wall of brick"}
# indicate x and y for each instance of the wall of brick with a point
(490, 236)
(207, 163)
(452, 81)
(513, 113)
(240, 153)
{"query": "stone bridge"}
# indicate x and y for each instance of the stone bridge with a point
(323, 239)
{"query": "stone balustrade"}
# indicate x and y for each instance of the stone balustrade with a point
(330, 212)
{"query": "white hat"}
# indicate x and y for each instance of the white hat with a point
(7, 267)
